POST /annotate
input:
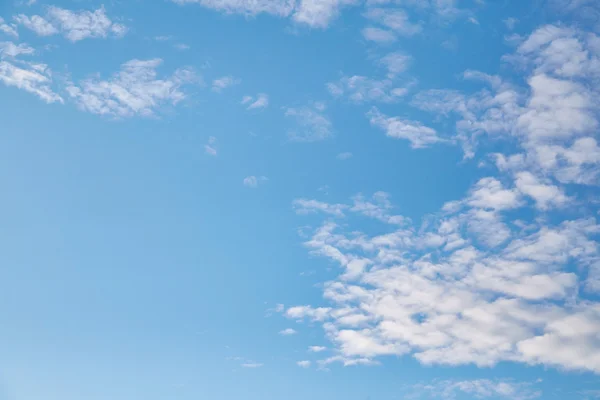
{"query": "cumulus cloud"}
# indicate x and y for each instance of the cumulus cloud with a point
(288, 332)
(134, 90)
(74, 25)
(553, 118)
(464, 288)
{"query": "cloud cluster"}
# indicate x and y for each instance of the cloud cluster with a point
(35, 78)
(553, 119)
(510, 272)
(74, 25)
(134, 90)
(480, 389)
(316, 14)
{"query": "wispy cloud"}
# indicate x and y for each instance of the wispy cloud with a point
(288, 332)
(224, 82)
(253, 181)
(311, 124)
(210, 147)
(134, 90)
(74, 25)
(260, 101)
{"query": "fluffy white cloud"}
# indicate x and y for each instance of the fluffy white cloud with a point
(74, 25)
(464, 288)
(224, 82)
(553, 118)
(416, 133)
(317, 349)
(288, 332)
(134, 90)
(304, 363)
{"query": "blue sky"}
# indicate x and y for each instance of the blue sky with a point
(268, 199)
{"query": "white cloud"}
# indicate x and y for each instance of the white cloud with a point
(510, 23)
(545, 195)
(210, 147)
(394, 19)
(360, 89)
(378, 35)
(448, 294)
(261, 101)
(481, 389)
(317, 349)
(8, 29)
(417, 134)
(313, 13)
(395, 63)
(31, 77)
(288, 332)
(11, 50)
(304, 206)
(134, 90)
(312, 124)
(253, 181)
(303, 364)
(74, 25)
(251, 365)
(181, 46)
(224, 82)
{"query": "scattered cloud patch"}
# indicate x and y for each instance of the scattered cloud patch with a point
(31, 77)
(253, 181)
(417, 134)
(73, 25)
(312, 124)
(260, 101)
(288, 332)
(135, 90)
(7, 29)
(210, 147)
(224, 82)
(304, 364)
